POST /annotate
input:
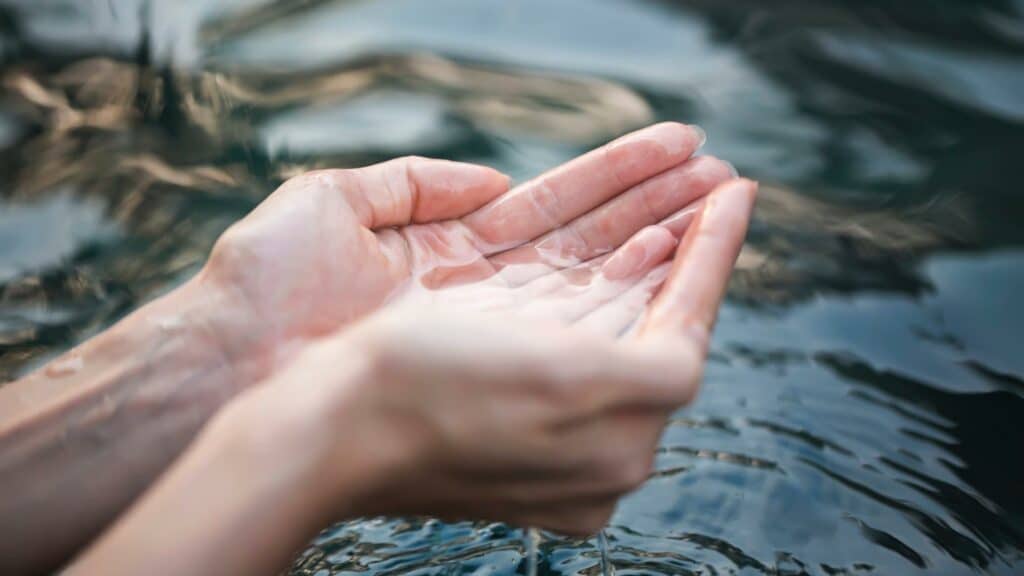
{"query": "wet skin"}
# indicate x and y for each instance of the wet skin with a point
(332, 246)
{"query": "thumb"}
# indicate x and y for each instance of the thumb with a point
(414, 190)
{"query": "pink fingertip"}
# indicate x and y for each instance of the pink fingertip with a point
(646, 249)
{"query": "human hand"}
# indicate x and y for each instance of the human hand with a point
(331, 246)
(439, 411)
(488, 415)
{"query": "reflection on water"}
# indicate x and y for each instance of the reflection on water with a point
(862, 407)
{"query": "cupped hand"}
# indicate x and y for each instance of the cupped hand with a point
(487, 415)
(586, 242)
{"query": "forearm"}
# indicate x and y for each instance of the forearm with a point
(260, 474)
(83, 436)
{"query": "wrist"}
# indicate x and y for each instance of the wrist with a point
(218, 321)
(279, 434)
(130, 399)
(331, 418)
(268, 447)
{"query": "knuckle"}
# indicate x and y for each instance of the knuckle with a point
(319, 180)
(655, 200)
(232, 251)
(401, 174)
(548, 203)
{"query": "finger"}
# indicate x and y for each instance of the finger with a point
(557, 197)
(689, 300)
(679, 222)
(615, 318)
(417, 190)
(609, 225)
(634, 259)
(572, 294)
(437, 255)
(538, 279)
(627, 264)
(618, 317)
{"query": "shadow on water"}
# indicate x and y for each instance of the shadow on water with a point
(861, 413)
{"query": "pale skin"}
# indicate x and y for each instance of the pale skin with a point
(406, 338)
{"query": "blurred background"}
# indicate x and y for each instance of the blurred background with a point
(864, 405)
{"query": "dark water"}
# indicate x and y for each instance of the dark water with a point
(864, 403)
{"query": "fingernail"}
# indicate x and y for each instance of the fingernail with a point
(732, 169)
(702, 136)
(755, 185)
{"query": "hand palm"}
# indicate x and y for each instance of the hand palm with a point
(576, 244)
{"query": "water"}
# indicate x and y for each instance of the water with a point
(532, 539)
(862, 408)
(532, 553)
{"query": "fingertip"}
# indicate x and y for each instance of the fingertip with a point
(495, 178)
(660, 236)
(676, 137)
(732, 169)
(742, 189)
(749, 189)
(704, 261)
(702, 135)
(710, 170)
(488, 177)
(745, 184)
(433, 172)
(646, 249)
(507, 180)
(652, 150)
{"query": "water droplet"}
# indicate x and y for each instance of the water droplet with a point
(607, 569)
(532, 551)
(170, 323)
(64, 366)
